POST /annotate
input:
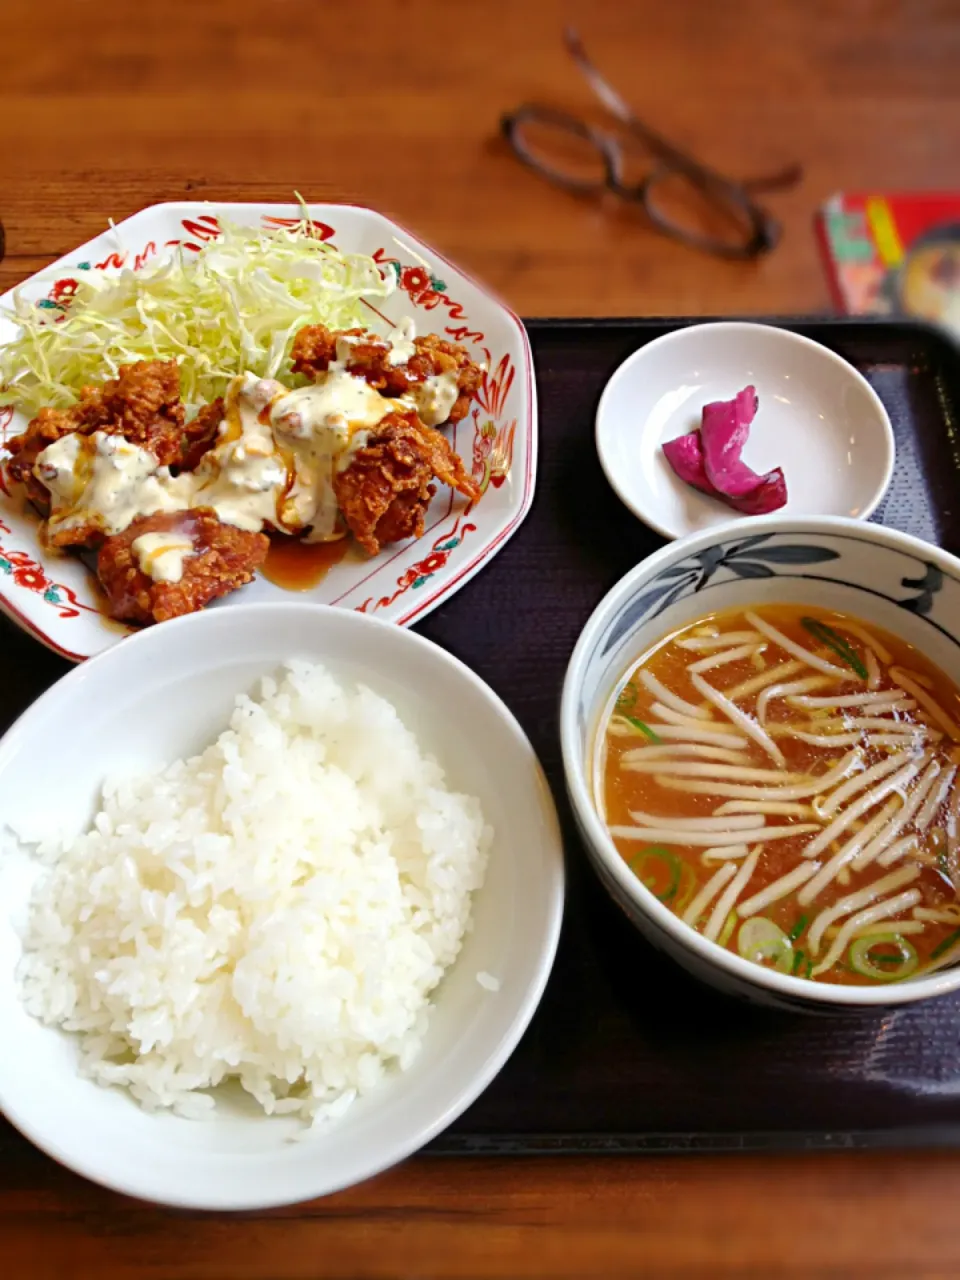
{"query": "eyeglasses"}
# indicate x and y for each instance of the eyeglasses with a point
(680, 196)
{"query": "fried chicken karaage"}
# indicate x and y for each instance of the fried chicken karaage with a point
(142, 404)
(176, 511)
(220, 558)
(370, 357)
(384, 493)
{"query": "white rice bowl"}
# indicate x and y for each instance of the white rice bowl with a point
(277, 910)
(167, 694)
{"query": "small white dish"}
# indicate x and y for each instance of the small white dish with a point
(884, 577)
(818, 419)
(167, 692)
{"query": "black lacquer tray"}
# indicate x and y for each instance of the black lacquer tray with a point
(627, 1053)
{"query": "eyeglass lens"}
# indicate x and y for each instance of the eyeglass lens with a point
(682, 206)
(560, 149)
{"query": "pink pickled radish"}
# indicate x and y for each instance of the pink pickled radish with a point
(709, 458)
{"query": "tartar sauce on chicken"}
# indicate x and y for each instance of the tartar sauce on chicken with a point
(274, 463)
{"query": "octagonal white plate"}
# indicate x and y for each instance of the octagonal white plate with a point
(55, 597)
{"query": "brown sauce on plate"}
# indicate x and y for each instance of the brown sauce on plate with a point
(299, 566)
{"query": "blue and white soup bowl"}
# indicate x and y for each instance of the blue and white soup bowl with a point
(886, 578)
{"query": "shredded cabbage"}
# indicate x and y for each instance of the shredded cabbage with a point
(234, 305)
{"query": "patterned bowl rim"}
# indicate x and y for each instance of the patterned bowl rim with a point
(601, 848)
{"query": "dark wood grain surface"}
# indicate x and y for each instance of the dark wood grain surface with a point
(107, 107)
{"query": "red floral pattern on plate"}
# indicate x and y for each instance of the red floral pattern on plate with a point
(26, 573)
(420, 573)
(429, 291)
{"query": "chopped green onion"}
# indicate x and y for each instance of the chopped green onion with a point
(627, 696)
(869, 963)
(763, 940)
(943, 947)
(688, 886)
(798, 928)
(728, 927)
(800, 959)
(842, 648)
(661, 857)
(644, 728)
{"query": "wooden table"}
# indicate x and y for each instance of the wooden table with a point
(111, 106)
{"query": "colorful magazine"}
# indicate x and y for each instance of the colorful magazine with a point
(894, 254)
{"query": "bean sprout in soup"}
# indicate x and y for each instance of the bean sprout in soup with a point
(784, 779)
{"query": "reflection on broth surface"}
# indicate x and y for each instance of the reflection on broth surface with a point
(783, 779)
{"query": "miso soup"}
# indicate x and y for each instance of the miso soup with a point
(784, 779)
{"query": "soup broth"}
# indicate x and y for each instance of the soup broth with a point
(785, 780)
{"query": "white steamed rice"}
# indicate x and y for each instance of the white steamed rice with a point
(277, 910)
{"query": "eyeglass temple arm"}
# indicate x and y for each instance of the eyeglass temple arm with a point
(658, 144)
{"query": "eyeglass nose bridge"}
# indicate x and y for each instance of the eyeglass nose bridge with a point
(511, 126)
